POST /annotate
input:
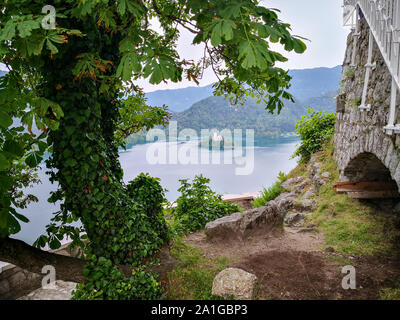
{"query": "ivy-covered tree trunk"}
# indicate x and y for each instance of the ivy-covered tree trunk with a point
(85, 156)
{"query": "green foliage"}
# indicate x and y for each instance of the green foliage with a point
(198, 205)
(80, 67)
(390, 293)
(69, 82)
(350, 73)
(136, 116)
(21, 151)
(271, 193)
(315, 129)
(148, 193)
(107, 282)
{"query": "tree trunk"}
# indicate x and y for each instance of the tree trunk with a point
(33, 260)
(85, 154)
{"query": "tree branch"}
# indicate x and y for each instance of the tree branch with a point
(32, 259)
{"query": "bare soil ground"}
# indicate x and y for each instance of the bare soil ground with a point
(290, 239)
(293, 265)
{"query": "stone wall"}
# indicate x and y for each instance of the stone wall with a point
(362, 150)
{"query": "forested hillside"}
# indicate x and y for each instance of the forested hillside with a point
(215, 112)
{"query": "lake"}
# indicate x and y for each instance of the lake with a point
(270, 157)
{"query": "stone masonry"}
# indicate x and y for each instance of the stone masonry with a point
(363, 151)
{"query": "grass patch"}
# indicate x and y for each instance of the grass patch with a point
(300, 170)
(350, 226)
(271, 193)
(193, 278)
(268, 194)
(390, 293)
(350, 73)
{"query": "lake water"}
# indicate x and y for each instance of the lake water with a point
(270, 157)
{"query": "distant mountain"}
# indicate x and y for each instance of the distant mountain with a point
(217, 113)
(306, 84)
(309, 83)
(179, 99)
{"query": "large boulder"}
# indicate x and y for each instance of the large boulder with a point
(261, 220)
(236, 283)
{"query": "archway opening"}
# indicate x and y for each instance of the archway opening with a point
(367, 167)
(369, 179)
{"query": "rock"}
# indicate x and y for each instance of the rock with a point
(295, 219)
(291, 182)
(325, 175)
(242, 225)
(306, 204)
(4, 287)
(286, 201)
(396, 209)
(317, 181)
(236, 283)
(225, 226)
(314, 167)
(300, 187)
(61, 290)
(309, 193)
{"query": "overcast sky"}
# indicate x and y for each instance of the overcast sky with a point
(318, 20)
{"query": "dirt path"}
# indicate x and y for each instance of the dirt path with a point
(294, 266)
(291, 239)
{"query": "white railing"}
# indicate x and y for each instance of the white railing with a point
(383, 18)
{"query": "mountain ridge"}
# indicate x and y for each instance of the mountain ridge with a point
(305, 84)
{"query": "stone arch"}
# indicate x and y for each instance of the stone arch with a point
(370, 157)
(367, 167)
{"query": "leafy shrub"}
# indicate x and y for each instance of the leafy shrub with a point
(150, 196)
(271, 193)
(315, 129)
(198, 205)
(107, 282)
